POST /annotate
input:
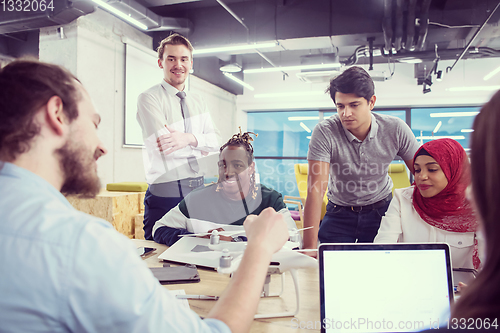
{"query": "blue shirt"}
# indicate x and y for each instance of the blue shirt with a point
(65, 271)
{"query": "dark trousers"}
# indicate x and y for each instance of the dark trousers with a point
(161, 198)
(351, 224)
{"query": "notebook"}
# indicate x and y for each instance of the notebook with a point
(384, 287)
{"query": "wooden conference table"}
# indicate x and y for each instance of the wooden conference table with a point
(213, 283)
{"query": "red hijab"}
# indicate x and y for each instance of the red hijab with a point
(449, 209)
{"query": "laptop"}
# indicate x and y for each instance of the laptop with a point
(384, 287)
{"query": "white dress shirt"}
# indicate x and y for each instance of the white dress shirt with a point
(65, 271)
(159, 106)
(402, 223)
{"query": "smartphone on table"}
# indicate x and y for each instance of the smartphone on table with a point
(144, 251)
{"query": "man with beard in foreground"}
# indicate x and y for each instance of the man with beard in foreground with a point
(66, 271)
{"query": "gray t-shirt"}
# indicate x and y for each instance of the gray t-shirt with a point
(359, 169)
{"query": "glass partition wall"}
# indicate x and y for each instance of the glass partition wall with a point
(284, 136)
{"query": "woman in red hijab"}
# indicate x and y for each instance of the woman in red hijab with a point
(435, 208)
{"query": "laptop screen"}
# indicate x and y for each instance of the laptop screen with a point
(384, 287)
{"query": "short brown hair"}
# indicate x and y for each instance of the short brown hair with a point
(25, 86)
(174, 39)
(354, 80)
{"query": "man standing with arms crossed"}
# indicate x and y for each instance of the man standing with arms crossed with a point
(177, 130)
(350, 153)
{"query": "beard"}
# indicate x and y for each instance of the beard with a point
(78, 167)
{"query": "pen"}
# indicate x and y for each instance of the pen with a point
(205, 297)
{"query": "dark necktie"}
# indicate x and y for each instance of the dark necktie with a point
(193, 163)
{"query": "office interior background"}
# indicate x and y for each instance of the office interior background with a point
(434, 63)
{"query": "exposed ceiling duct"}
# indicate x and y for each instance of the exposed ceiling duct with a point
(318, 76)
(423, 24)
(324, 58)
(392, 25)
(323, 74)
(64, 12)
(410, 27)
(474, 37)
(240, 21)
(445, 54)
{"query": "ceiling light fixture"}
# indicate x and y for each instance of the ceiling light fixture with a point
(491, 74)
(454, 114)
(120, 14)
(481, 88)
(231, 66)
(307, 129)
(291, 68)
(468, 130)
(303, 118)
(410, 60)
(235, 79)
(234, 48)
(438, 126)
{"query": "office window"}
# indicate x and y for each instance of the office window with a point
(401, 114)
(283, 141)
(433, 123)
(282, 133)
(278, 174)
(284, 137)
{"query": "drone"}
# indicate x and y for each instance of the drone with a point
(294, 235)
(225, 257)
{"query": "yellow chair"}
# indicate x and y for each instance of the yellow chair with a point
(399, 176)
(301, 170)
(397, 172)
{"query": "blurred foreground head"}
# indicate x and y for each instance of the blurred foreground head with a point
(481, 298)
(44, 105)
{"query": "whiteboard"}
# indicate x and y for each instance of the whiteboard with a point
(141, 73)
